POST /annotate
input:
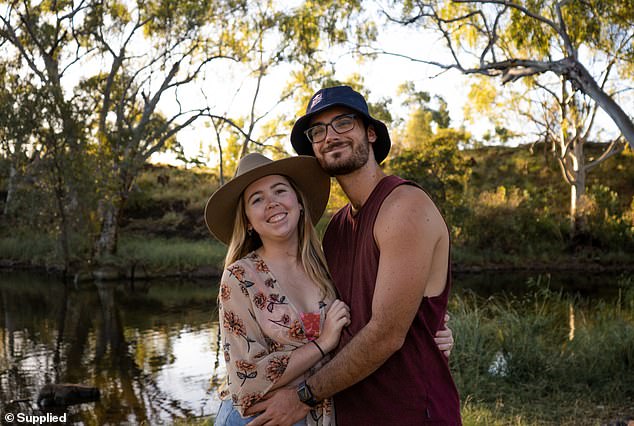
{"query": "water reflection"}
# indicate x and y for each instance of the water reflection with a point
(603, 285)
(150, 349)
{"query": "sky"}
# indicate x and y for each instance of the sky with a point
(381, 76)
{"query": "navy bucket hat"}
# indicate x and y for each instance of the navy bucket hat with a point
(341, 96)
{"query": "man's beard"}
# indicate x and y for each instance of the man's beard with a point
(339, 166)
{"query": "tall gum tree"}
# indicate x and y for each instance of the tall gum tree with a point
(44, 40)
(140, 54)
(580, 54)
(136, 60)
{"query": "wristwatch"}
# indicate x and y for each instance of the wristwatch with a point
(306, 395)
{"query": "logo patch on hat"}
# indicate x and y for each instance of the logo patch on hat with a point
(316, 100)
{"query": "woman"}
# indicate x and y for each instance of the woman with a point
(279, 317)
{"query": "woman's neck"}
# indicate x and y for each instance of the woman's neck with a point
(278, 251)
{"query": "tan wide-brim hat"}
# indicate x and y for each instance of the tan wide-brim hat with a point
(305, 171)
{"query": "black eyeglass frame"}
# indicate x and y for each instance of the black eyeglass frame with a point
(308, 131)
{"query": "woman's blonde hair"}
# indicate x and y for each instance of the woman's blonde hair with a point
(309, 251)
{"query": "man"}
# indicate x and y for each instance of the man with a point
(388, 253)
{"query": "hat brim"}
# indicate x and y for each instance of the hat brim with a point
(312, 181)
(302, 145)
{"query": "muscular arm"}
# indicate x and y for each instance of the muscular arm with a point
(408, 230)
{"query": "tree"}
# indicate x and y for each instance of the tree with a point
(517, 39)
(18, 108)
(151, 51)
(35, 40)
(426, 149)
(534, 41)
(138, 64)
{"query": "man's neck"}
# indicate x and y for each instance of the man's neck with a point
(359, 184)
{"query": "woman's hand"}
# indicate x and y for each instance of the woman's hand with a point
(337, 317)
(444, 338)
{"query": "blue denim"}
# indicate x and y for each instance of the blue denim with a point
(229, 416)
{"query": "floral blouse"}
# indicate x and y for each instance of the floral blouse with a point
(260, 328)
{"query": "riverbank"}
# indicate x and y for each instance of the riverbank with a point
(155, 257)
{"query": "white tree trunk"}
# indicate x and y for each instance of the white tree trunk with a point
(107, 241)
(578, 209)
(11, 186)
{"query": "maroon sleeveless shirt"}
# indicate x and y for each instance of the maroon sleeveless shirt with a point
(414, 386)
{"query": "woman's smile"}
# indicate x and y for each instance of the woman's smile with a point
(277, 217)
(272, 207)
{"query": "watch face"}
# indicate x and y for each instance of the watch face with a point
(304, 394)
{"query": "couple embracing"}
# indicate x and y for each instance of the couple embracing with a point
(353, 334)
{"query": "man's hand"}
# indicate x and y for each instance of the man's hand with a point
(281, 407)
(444, 338)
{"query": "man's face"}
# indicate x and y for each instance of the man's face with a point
(340, 154)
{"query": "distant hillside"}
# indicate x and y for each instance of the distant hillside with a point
(538, 171)
(169, 201)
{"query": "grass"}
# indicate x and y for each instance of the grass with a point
(156, 254)
(545, 357)
(161, 254)
(38, 250)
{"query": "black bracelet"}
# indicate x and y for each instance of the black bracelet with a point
(323, 354)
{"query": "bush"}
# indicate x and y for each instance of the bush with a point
(506, 221)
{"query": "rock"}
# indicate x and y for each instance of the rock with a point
(64, 394)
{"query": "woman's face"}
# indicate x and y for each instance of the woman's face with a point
(272, 208)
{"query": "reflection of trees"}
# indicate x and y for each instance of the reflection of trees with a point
(22, 360)
(110, 334)
(125, 360)
(114, 337)
(61, 322)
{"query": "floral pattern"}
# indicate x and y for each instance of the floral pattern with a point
(259, 333)
(276, 368)
(225, 292)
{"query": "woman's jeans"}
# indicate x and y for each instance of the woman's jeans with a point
(229, 416)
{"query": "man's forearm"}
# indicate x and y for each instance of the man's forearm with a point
(354, 362)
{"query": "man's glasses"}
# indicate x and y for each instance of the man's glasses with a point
(340, 124)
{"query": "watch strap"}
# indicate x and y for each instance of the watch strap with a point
(306, 395)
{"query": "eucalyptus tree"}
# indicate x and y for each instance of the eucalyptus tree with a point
(148, 51)
(579, 54)
(41, 44)
(18, 108)
(301, 39)
(123, 77)
(188, 41)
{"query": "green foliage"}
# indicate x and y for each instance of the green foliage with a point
(609, 225)
(436, 164)
(506, 221)
(533, 355)
(169, 255)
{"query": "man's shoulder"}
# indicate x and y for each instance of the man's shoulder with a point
(407, 204)
(409, 194)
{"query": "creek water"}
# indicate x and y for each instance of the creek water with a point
(150, 347)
